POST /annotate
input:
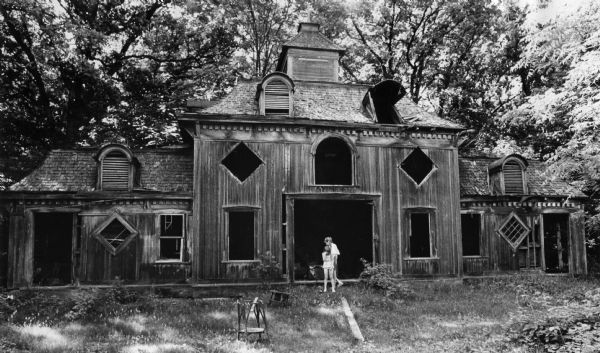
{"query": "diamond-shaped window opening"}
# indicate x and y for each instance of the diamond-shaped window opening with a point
(115, 233)
(513, 230)
(418, 166)
(241, 162)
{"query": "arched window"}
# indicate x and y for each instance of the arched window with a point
(115, 169)
(276, 95)
(513, 177)
(333, 162)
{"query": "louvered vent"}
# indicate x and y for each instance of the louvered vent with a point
(513, 178)
(314, 69)
(277, 98)
(115, 171)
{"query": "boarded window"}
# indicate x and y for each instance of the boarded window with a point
(513, 230)
(420, 242)
(241, 162)
(241, 235)
(513, 178)
(314, 69)
(333, 163)
(417, 166)
(115, 171)
(471, 226)
(277, 98)
(172, 233)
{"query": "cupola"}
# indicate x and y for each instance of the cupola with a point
(310, 55)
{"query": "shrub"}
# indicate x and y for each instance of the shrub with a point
(268, 269)
(377, 276)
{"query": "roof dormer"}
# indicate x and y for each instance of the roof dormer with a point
(275, 95)
(507, 175)
(310, 55)
(116, 168)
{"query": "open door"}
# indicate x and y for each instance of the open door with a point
(556, 242)
(52, 252)
(348, 222)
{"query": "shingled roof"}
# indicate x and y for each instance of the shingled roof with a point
(163, 170)
(324, 101)
(311, 39)
(473, 173)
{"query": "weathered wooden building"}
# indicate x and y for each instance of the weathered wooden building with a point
(275, 166)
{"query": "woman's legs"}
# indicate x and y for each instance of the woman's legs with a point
(325, 278)
(332, 276)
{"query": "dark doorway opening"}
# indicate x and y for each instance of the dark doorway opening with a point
(53, 239)
(556, 242)
(348, 222)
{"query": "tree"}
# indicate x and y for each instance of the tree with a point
(80, 72)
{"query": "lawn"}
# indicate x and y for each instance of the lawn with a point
(518, 314)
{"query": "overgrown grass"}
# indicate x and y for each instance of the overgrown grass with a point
(502, 315)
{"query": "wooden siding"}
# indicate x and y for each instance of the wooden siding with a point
(288, 170)
(498, 256)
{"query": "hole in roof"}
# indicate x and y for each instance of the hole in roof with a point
(241, 162)
(418, 166)
(384, 95)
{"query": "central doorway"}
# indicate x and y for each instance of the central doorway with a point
(556, 242)
(348, 222)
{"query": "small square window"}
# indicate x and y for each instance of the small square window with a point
(114, 233)
(513, 230)
(241, 162)
(172, 234)
(418, 166)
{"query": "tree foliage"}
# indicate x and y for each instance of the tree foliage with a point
(76, 72)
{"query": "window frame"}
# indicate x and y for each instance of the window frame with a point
(183, 237)
(521, 237)
(255, 212)
(353, 156)
(230, 172)
(97, 233)
(434, 167)
(431, 212)
(480, 235)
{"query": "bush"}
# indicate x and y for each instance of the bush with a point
(268, 269)
(378, 276)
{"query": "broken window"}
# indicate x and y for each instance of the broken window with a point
(418, 166)
(513, 178)
(114, 233)
(241, 235)
(172, 234)
(420, 236)
(277, 98)
(241, 162)
(333, 163)
(513, 230)
(115, 171)
(471, 226)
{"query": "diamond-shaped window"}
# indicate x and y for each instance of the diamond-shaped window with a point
(513, 230)
(115, 233)
(241, 162)
(418, 166)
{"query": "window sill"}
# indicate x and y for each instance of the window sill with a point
(238, 261)
(474, 257)
(421, 258)
(162, 262)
